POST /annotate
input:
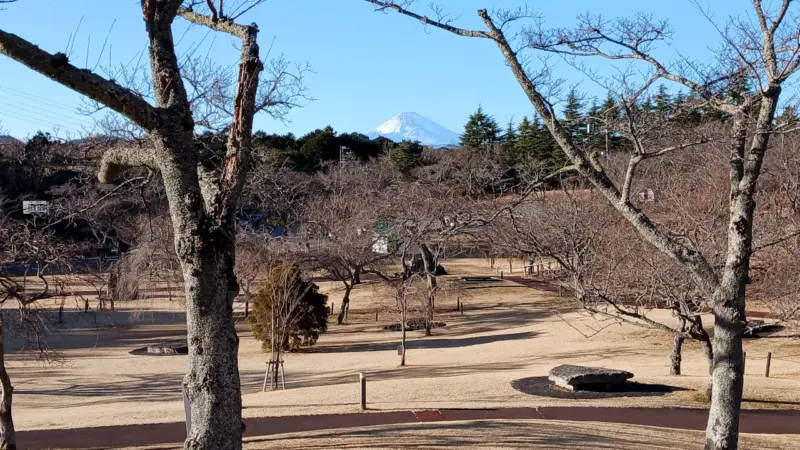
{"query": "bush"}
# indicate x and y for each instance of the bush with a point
(406, 156)
(300, 310)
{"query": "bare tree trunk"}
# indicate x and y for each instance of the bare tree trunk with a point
(727, 379)
(429, 263)
(113, 289)
(675, 356)
(275, 368)
(212, 382)
(345, 304)
(8, 437)
(403, 338)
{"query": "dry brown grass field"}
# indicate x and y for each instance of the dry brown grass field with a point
(507, 332)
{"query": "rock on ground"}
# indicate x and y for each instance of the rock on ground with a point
(580, 377)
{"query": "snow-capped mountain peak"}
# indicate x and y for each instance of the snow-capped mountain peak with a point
(411, 126)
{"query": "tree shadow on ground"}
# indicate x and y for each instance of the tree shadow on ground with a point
(426, 343)
(163, 387)
(297, 380)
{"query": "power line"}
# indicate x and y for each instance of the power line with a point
(36, 97)
(38, 121)
(42, 113)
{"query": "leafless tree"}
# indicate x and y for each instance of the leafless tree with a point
(406, 303)
(764, 54)
(341, 227)
(28, 252)
(202, 191)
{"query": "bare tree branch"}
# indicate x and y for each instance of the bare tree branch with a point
(57, 67)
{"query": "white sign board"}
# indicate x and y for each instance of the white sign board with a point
(31, 207)
(381, 245)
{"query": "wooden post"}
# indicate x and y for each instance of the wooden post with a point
(501, 275)
(769, 361)
(187, 411)
(266, 376)
(283, 377)
(744, 363)
(362, 379)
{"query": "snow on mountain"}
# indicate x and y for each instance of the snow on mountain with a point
(411, 126)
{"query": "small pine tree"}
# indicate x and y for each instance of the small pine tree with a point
(545, 147)
(480, 132)
(300, 312)
(525, 145)
(510, 136)
(407, 155)
(508, 156)
(574, 120)
(662, 100)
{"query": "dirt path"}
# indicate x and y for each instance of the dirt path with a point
(757, 422)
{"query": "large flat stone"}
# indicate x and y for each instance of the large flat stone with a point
(168, 348)
(590, 378)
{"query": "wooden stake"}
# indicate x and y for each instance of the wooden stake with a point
(283, 377)
(769, 361)
(362, 379)
(187, 410)
(744, 363)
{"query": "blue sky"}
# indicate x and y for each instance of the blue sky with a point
(367, 66)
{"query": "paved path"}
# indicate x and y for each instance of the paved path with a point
(762, 422)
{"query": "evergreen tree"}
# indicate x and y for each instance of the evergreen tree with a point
(406, 156)
(509, 138)
(525, 144)
(609, 110)
(480, 132)
(298, 306)
(574, 120)
(662, 101)
(685, 113)
(789, 116)
(597, 127)
(506, 155)
(547, 149)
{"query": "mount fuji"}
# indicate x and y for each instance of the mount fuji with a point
(411, 126)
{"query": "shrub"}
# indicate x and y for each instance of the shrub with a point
(300, 310)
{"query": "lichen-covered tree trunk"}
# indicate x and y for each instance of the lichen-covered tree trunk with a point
(727, 379)
(212, 381)
(675, 356)
(202, 200)
(8, 437)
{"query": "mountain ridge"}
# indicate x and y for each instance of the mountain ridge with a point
(410, 126)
